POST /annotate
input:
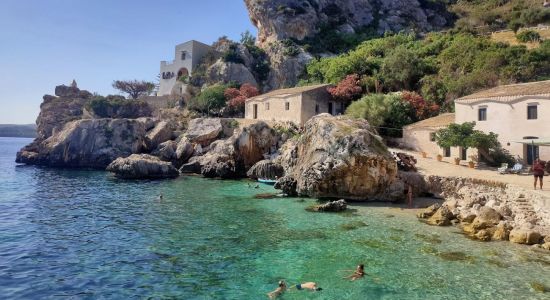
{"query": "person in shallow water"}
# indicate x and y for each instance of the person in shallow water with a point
(307, 286)
(358, 273)
(278, 291)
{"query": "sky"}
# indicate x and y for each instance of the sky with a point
(47, 43)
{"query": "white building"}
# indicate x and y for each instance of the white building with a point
(516, 112)
(187, 57)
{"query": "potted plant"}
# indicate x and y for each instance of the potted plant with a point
(472, 161)
(439, 157)
(457, 161)
(424, 154)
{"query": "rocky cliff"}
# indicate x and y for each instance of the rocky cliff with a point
(337, 157)
(284, 19)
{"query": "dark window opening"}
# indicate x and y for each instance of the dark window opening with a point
(447, 152)
(532, 113)
(482, 114)
(287, 105)
(432, 136)
(316, 108)
(183, 55)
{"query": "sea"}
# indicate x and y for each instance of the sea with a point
(83, 234)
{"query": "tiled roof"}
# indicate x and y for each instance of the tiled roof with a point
(290, 91)
(436, 122)
(509, 93)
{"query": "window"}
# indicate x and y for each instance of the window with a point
(183, 55)
(287, 105)
(267, 106)
(447, 152)
(432, 136)
(532, 113)
(482, 114)
(316, 109)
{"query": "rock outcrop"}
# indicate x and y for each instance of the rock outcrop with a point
(339, 157)
(91, 143)
(266, 169)
(141, 166)
(227, 72)
(287, 19)
(332, 206)
(487, 210)
(161, 133)
(232, 157)
(204, 131)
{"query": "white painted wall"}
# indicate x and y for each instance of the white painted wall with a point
(509, 121)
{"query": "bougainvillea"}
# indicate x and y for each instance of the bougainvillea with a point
(237, 97)
(348, 89)
(422, 108)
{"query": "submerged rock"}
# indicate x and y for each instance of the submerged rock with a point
(332, 206)
(340, 157)
(138, 166)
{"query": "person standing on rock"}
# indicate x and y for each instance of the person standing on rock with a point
(538, 172)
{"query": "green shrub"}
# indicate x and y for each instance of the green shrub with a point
(528, 36)
(211, 98)
(232, 55)
(117, 107)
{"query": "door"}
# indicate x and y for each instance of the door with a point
(463, 153)
(532, 153)
(447, 152)
(255, 111)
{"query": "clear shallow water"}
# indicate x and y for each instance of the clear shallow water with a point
(86, 235)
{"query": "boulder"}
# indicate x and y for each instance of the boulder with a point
(442, 217)
(184, 150)
(525, 236)
(67, 91)
(332, 206)
(341, 157)
(91, 143)
(487, 217)
(429, 211)
(166, 151)
(227, 72)
(502, 231)
(287, 184)
(159, 134)
(232, 157)
(138, 166)
(204, 131)
(266, 169)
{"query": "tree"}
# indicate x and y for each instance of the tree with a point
(134, 88)
(247, 39)
(347, 90)
(236, 98)
(464, 135)
(402, 69)
(422, 109)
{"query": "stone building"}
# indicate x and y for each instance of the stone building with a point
(297, 104)
(420, 136)
(187, 57)
(518, 113)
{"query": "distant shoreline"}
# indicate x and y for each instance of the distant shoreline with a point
(16, 130)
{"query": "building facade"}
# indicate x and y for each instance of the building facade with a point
(295, 104)
(517, 113)
(420, 136)
(187, 57)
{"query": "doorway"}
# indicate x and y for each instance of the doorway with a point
(255, 111)
(532, 153)
(330, 108)
(463, 153)
(447, 152)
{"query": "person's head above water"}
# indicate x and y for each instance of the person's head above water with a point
(361, 267)
(282, 283)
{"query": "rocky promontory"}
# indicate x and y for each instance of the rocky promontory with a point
(337, 157)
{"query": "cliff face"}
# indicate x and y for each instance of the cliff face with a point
(283, 19)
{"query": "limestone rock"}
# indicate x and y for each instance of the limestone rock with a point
(502, 232)
(166, 151)
(332, 206)
(429, 211)
(137, 166)
(442, 217)
(184, 150)
(284, 19)
(91, 143)
(204, 131)
(287, 184)
(487, 217)
(266, 169)
(159, 134)
(227, 72)
(232, 157)
(341, 157)
(67, 91)
(546, 246)
(524, 236)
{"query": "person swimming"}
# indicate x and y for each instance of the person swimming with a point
(307, 286)
(278, 291)
(358, 273)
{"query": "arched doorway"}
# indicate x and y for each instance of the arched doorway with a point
(183, 72)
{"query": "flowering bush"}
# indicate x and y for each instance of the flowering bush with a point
(237, 97)
(421, 107)
(348, 89)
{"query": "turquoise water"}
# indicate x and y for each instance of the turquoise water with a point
(86, 235)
